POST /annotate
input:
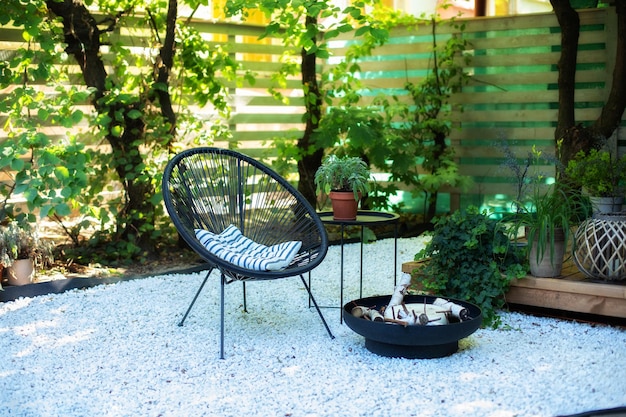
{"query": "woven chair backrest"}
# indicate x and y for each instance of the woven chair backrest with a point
(212, 188)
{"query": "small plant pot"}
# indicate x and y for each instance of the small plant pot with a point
(21, 272)
(605, 205)
(550, 264)
(344, 205)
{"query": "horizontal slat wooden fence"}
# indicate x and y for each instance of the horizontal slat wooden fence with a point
(512, 96)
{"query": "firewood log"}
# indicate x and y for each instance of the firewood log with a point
(457, 311)
(367, 313)
(416, 314)
(400, 290)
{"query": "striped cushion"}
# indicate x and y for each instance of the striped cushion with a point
(232, 246)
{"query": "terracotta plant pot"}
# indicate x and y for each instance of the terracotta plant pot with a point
(345, 207)
(21, 272)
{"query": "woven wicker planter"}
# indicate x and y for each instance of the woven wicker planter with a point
(600, 250)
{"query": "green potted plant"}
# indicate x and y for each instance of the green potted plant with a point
(21, 250)
(6, 258)
(471, 258)
(345, 179)
(602, 176)
(548, 217)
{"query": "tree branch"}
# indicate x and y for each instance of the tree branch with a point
(164, 65)
(83, 41)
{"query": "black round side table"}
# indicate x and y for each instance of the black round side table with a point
(363, 218)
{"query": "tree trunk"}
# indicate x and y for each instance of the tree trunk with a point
(82, 37)
(574, 137)
(577, 137)
(612, 112)
(125, 134)
(164, 65)
(311, 160)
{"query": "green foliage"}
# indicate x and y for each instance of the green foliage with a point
(600, 172)
(342, 86)
(351, 130)
(545, 209)
(545, 214)
(288, 20)
(402, 139)
(418, 131)
(199, 63)
(470, 258)
(20, 240)
(347, 173)
(307, 27)
(406, 140)
(48, 175)
(110, 173)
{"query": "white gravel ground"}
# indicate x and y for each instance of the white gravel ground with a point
(116, 350)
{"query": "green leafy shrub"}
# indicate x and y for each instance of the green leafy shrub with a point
(599, 172)
(470, 258)
(22, 241)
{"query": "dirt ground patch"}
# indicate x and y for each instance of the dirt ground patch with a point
(177, 258)
(174, 258)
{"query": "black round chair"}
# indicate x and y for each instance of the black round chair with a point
(207, 190)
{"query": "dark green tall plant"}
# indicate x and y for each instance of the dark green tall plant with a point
(547, 214)
(417, 140)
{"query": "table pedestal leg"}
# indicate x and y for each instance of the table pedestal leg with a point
(361, 267)
(341, 290)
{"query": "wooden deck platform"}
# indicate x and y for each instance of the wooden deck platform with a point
(571, 292)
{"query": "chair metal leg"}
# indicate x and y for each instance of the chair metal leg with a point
(245, 301)
(223, 283)
(316, 307)
(196, 296)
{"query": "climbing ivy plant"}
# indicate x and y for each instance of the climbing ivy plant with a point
(417, 138)
(471, 258)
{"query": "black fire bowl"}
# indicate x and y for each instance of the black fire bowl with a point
(413, 342)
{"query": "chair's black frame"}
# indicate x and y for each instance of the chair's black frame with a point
(192, 202)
